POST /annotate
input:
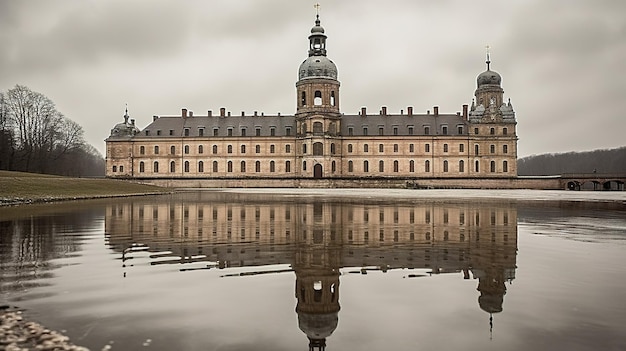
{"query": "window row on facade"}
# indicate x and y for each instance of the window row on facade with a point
(318, 149)
(352, 167)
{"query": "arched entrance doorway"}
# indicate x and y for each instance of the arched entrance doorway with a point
(317, 171)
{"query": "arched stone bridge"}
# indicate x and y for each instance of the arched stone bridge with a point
(593, 181)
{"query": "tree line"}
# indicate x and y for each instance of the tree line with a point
(599, 161)
(36, 137)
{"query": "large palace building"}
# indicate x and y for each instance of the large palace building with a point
(319, 141)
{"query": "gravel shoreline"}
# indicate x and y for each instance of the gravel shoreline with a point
(19, 334)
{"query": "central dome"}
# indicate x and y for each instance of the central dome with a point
(317, 67)
(488, 78)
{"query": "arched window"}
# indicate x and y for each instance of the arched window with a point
(214, 149)
(381, 165)
(493, 166)
(332, 98)
(366, 166)
(186, 149)
(445, 147)
(318, 149)
(333, 167)
(243, 167)
(200, 149)
(230, 149)
(230, 166)
(142, 150)
(505, 131)
(396, 166)
(288, 149)
(272, 166)
(365, 148)
(257, 166)
(350, 148)
(381, 148)
(272, 149)
(172, 149)
(141, 167)
(317, 101)
(505, 149)
(318, 128)
(304, 149)
(287, 166)
(257, 149)
(492, 131)
(476, 149)
(427, 166)
(172, 167)
(303, 128)
(476, 166)
(121, 168)
(332, 148)
(156, 150)
(200, 166)
(303, 99)
(350, 167)
(461, 166)
(445, 166)
(492, 149)
(215, 167)
(505, 166)
(411, 166)
(114, 169)
(186, 166)
(304, 165)
(155, 167)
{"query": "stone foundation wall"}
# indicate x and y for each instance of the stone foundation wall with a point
(412, 183)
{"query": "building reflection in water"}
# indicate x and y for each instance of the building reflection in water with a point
(318, 237)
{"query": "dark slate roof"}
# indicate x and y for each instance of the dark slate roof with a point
(162, 126)
(222, 124)
(402, 122)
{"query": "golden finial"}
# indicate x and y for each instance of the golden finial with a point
(488, 60)
(317, 8)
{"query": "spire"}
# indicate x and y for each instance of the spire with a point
(488, 59)
(317, 39)
(126, 116)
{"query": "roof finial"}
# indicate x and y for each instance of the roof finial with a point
(488, 60)
(126, 114)
(317, 9)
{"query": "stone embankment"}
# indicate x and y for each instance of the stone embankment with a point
(19, 334)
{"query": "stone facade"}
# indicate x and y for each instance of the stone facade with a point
(319, 141)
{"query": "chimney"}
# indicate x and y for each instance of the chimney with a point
(278, 114)
(190, 113)
(132, 122)
(184, 113)
(436, 110)
(210, 113)
(154, 118)
(222, 111)
(409, 110)
(384, 111)
(465, 112)
(228, 113)
(427, 112)
(256, 113)
(243, 113)
(363, 111)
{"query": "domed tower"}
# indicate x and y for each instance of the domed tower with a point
(318, 120)
(120, 148)
(492, 128)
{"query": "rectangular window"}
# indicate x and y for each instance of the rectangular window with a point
(272, 131)
(257, 132)
(350, 131)
(147, 132)
(258, 149)
(215, 132)
(230, 131)
(201, 132)
(460, 129)
(381, 131)
(243, 131)
(186, 131)
(395, 130)
(427, 148)
(475, 130)
(288, 131)
(445, 147)
(272, 149)
(444, 130)
(288, 148)
(461, 147)
(410, 130)
(171, 131)
(364, 130)
(427, 130)
(395, 147)
(159, 132)
(411, 148)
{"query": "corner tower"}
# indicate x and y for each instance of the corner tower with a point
(318, 119)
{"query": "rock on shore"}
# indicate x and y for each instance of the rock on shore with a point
(19, 334)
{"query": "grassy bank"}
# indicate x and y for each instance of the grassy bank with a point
(20, 187)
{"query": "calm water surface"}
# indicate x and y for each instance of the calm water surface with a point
(416, 270)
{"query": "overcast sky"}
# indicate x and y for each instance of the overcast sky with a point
(563, 63)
